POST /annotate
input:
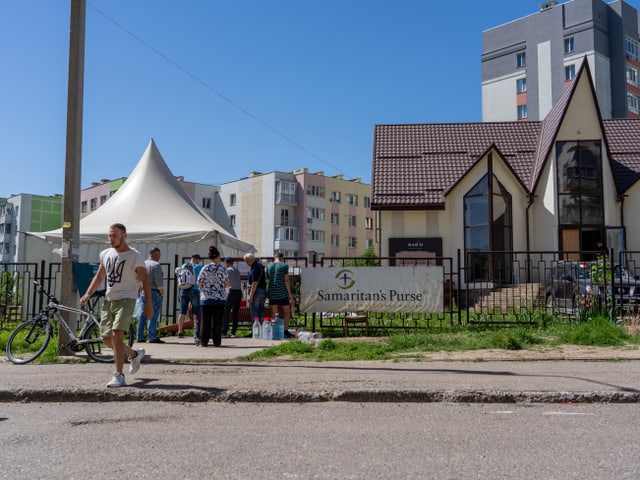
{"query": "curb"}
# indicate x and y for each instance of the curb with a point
(358, 396)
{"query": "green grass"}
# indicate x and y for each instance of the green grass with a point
(595, 332)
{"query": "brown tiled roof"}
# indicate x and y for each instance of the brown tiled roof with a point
(623, 140)
(415, 165)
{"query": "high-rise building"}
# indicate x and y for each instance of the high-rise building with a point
(527, 63)
(300, 214)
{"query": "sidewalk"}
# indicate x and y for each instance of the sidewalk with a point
(179, 371)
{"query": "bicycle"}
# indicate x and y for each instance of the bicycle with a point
(30, 339)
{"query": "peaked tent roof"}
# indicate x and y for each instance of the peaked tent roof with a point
(155, 209)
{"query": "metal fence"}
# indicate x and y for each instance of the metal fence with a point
(505, 287)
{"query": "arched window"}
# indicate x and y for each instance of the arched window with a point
(488, 228)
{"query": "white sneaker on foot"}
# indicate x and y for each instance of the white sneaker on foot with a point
(117, 381)
(134, 363)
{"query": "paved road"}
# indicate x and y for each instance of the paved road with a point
(179, 371)
(330, 440)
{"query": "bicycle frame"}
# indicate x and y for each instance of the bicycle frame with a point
(88, 319)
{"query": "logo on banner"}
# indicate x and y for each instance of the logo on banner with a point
(345, 279)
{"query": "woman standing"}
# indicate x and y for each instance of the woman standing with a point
(213, 298)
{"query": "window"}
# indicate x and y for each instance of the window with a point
(521, 60)
(334, 197)
(579, 183)
(367, 202)
(569, 72)
(103, 198)
(568, 45)
(317, 213)
(284, 217)
(335, 241)
(632, 75)
(352, 220)
(206, 202)
(631, 48)
(522, 112)
(335, 219)
(93, 204)
(368, 223)
(488, 227)
(633, 103)
(521, 85)
(353, 241)
(232, 220)
(315, 235)
(232, 199)
(315, 191)
(352, 199)
(286, 233)
(286, 192)
(83, 207)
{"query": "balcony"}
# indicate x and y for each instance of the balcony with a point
(286, 199)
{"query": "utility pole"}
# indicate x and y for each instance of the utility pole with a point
(73, 164)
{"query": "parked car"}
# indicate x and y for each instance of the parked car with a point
(572, 285)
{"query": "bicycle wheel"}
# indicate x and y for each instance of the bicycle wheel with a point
(29, 340)
(97, 350)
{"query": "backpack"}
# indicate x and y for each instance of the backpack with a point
(186, 276)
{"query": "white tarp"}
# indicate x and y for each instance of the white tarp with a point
(157, 212)
(417, 289)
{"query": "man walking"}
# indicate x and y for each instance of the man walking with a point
(124, 269)
(154, 273)
(234, 297)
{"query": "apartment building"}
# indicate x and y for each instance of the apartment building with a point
(26, 213)
(299, 213)
(528, 63)
(98, 193)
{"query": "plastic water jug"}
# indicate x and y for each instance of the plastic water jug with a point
(256, 329)
(267, 330)
(278, 328)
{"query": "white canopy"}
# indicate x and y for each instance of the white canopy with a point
(157, 212)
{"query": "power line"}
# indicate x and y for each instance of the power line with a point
(213, 90)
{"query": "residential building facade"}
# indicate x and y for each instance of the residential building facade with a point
(98, 193)
(300, 214)
(26, 213)
(528, 63)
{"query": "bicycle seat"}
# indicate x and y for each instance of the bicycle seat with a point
(99, 293)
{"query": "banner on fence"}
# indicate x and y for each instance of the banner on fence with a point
(417, 289)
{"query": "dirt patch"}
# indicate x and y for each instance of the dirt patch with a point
(547, 352)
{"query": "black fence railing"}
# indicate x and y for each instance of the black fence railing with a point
(506, 287)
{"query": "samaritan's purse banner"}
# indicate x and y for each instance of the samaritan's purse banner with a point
(378, 289)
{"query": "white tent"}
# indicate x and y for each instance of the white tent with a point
(157, 212)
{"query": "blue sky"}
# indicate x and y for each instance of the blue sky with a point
(226, 88)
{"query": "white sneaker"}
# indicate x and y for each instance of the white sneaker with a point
(117, 381)
(134, 363)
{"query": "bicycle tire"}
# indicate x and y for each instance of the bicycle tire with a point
(97, 350)
(29, 340)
